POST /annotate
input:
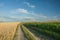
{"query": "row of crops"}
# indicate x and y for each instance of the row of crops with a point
(28, 34)
(51, 29)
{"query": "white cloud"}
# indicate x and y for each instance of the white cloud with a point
(7, 18)
(20, 10)
(43, 16)
(24, 11)
(53, 18)
(39, 15)
(13, 17)
(28, 19)
(2, 19)
(29, 5)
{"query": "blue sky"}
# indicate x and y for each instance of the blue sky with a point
(29, 10)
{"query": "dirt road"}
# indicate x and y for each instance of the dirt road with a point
(19, 35)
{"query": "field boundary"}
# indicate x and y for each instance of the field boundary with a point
(15, 31)
(28, 34)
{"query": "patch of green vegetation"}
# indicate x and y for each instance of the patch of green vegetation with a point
(51, 29)
(28, 34)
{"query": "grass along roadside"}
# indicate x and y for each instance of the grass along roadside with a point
(28, 34)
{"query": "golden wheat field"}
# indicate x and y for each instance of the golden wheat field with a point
(7, 30)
